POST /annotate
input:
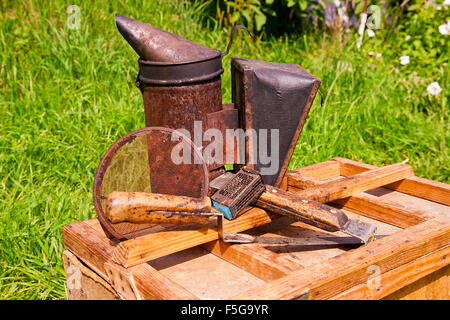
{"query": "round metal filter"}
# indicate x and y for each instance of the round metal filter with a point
(152, 159)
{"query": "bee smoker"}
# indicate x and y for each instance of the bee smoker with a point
(181, 85)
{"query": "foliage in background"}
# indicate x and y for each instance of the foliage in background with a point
(417, 37)
(67, 94)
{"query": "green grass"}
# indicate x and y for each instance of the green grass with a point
(67, 95)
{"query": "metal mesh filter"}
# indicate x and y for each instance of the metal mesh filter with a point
(152, 159)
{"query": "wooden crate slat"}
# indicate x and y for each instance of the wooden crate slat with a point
(255, 259)
(95, 249)
(320, 171)
(435, 286)
(349, 269)
(148, 247)
(397, 278)
(384, 210)
(358, 183)
(416, 186)
(83, 283)
(366, 204)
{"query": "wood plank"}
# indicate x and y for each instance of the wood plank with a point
(384, 210)
(322, 170)
(83, 283)
(420, 187)
(358, 183)
(435, 286)
(349, 269)
(254, 258)
(95, 249)
(88, 245)
(369, 205)
(398, 278)
(148, 247)
(205, 274)
(366, 204)
(122, 280)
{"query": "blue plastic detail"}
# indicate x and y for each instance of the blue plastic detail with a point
(224, 209)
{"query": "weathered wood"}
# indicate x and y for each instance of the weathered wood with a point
(419, 187)
(393, 280)
(95, 249)
(122, 280)
(299, 208)
(384, 210)
(254, 258)
(366, 204)
(83, 283)
(349, 269)
(147, 247)
(413, 263)
(435, 286)
(321, 171)
(205, 274)
(358, 183)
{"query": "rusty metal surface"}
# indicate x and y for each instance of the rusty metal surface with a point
(166, 74)
(178, 107)
(227, 118)
(154, 44)
(131, 164)
(272, 95)
(166, 58)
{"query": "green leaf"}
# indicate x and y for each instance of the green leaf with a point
(247, 17)
(303, 4)
(291, 3)
(260, 20)
(235, 17)
(269, 11)
(359, 7)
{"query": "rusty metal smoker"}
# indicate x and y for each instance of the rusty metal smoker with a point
(180, 84)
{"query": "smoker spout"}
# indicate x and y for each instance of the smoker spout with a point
(156, 45)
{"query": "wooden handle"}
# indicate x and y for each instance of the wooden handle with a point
(308, 211)
(144, 207)
(307, 205)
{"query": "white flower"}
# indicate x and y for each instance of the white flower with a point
(444, 29)
(370, 33)
(438, 8)
(408, 36)
(446, 3)
(404, 60)
(371, 53)
(434, 88)
(378, 55)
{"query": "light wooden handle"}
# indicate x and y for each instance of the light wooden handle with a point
(309, 211)
(144, 207)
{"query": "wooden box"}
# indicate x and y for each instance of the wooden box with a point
(411, 262)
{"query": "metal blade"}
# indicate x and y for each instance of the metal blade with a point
(304, 241)
(361, 230)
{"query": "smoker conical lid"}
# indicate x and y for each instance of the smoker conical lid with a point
(156, 45)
